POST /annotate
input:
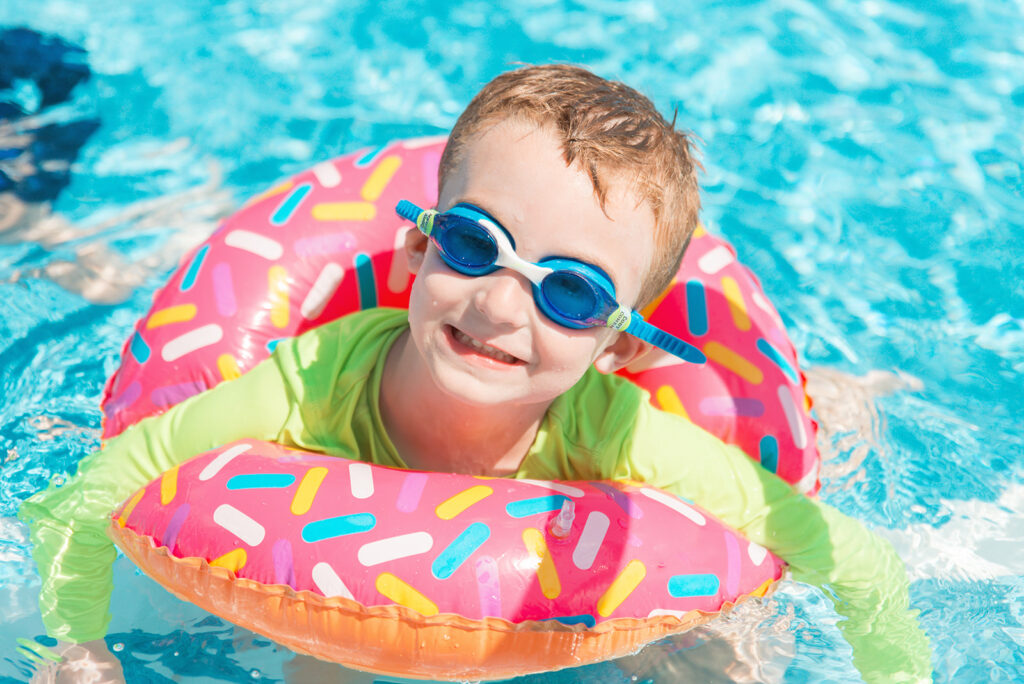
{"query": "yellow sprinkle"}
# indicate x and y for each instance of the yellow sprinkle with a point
(547, 574)
(729, 359)
(628, 580)
(669, 401)
(172, 314)
(232, 560)
(380, 178)
(228, 367)
(737, 307)
(344, 211)
(168, 486)
(699, 231)
(277, 278)
(448, 509)
(276, 190)
(404, 595)
(307, 489)
(122, 519)
(763, 589)
(653, 306)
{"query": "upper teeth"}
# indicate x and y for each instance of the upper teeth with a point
(485, 349)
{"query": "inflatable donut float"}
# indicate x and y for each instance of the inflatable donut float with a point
(431, 574)
(434, 575)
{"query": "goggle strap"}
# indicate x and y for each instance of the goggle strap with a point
(423, 218)
(643, 330)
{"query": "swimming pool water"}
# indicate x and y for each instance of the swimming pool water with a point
(864, 157)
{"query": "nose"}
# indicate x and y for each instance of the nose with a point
(505, 298)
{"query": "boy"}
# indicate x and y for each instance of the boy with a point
(476, 378)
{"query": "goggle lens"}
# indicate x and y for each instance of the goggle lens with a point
(570, 295)
(468, 246)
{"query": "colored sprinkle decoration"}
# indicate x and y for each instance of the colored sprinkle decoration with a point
(547, 574)
(696, 308)
(290, 204)
(459, 551)
(587, 620)
(404, 594)
(624, 585)
(367, 286)
(340, 526)
(773, 355)
(455, 505)
(168, 486)
(541, 504)
(139, 349)
(261, 481)
(193, 269)
(682, 586)
(307, 490)
(769, 451)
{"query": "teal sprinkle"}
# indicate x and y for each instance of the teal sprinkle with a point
(365, 279)
(193, 269)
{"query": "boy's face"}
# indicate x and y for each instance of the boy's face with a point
(483, 339)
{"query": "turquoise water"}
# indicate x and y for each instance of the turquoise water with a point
(865, 159)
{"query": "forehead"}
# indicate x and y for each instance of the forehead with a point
(516, 171)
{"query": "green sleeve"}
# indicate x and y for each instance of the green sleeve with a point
(68, 523)
(867, 580)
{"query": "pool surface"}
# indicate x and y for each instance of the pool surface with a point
(865, 158)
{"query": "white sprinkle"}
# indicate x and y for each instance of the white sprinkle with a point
(796, 426)
(393, 548)
(765, 306)
(675, 504)
(568, 490)
(327, 173)
(715, 260)
(255, 243)
(239, 524)
(590, 540)
(757, 553)
(361, 480)
(807, 482)
(657, 612)
(328, 582)
(223, 458)
(191, 341)
(324, 287)
(398, 276)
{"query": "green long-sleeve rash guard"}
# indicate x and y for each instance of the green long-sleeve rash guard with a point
(320, 392)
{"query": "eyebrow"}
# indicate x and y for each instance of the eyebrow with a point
(589, 261)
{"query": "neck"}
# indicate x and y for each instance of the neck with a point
(434, 431)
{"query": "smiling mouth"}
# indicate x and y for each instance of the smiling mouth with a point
(484, 349)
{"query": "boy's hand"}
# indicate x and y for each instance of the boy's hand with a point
(87, 663)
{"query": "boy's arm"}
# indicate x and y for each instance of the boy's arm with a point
(821, 545)
(68, 523)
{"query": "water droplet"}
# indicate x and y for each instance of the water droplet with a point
(255, 674)
(118, 647)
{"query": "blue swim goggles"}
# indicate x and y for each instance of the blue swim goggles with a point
(569, 292)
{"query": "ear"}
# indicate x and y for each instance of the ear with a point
(415, 249)
(623, 350)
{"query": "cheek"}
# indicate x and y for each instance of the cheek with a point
(570, 351)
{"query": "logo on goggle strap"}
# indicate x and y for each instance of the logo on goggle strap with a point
(619, 320)
(425, 221)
